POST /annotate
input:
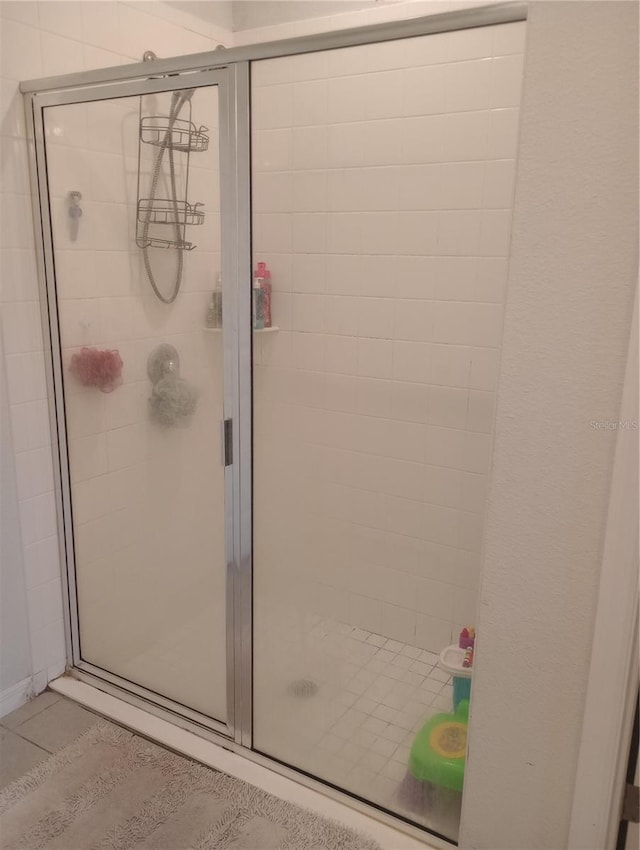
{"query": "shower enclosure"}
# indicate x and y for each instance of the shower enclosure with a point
(272, 525)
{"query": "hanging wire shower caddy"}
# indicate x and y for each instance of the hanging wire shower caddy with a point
(176, 136)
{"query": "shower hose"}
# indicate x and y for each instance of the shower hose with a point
(177, 102)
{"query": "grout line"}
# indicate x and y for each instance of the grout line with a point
(29, 741)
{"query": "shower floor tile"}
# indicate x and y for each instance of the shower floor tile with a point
(374, 694)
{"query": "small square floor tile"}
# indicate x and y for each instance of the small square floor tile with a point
(29, 709)
(57, 726)
(17, 756)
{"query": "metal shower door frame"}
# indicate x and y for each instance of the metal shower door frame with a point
(187, 71)
(232, 83)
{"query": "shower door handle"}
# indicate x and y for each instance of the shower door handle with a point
(227, 442)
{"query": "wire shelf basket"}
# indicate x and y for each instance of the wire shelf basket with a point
(167, 211)
(153, 214)
(155, 242)
(183, 136)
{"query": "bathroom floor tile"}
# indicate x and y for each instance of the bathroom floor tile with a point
(29, 710)
(57, 726)
(17, 756)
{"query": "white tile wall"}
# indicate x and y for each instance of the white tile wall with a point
(37, 39)
(383, 187)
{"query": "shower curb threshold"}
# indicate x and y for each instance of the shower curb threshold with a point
(239, 766)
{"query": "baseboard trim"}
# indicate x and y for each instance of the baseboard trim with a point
(16, 695)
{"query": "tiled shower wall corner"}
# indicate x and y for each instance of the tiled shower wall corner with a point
(383, 186)
(36, 40)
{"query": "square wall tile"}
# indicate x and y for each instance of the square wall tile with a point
(309, 273)
(435, 598)
(309, 147)
(365, 613)
(465, 135)
(31, 428)
(273, 232)
(309, 191)
(422, 138)
(432, 633)
(61, 55)
(21, 326)
(25, 12)
(423, 90)
(309, 66)
(342, 314)
(398, 623)
(344, 233)
(310, 101)
(26, 377)
(272, 107)
(502, 141)
(63, 18)
(273, 192)
(375, 358)
(499, 184)
(309, 233)
(459, 233)
(308, 313)
(345, 144)
(509, 38)
(467, 85)
(34, 472)
(412, 361)
(474, 492)
(485, 365)
(495, 233)
(379, 141)
(272, 150)
(373, 397)
(269, 72)
(481, 411)
(347, 97)
(448, 406)
(417, 233)
(21, 56)
(444, 487)
(506, 80)
(410, 402)
(383, 95)
(375, 318)
(100, 24)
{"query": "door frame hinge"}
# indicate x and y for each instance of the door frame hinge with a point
(631, 804)
(227, 442)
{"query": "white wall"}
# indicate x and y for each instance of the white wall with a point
(382, 186)
(250, 15)
(15, 650)
(40, 39)
(568, 313)
(306, 18)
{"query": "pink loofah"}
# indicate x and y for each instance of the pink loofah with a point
(93, 368)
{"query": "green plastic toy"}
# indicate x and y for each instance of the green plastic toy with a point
(438, 752)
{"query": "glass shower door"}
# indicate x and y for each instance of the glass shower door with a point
(135, 206)
(382, 192)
